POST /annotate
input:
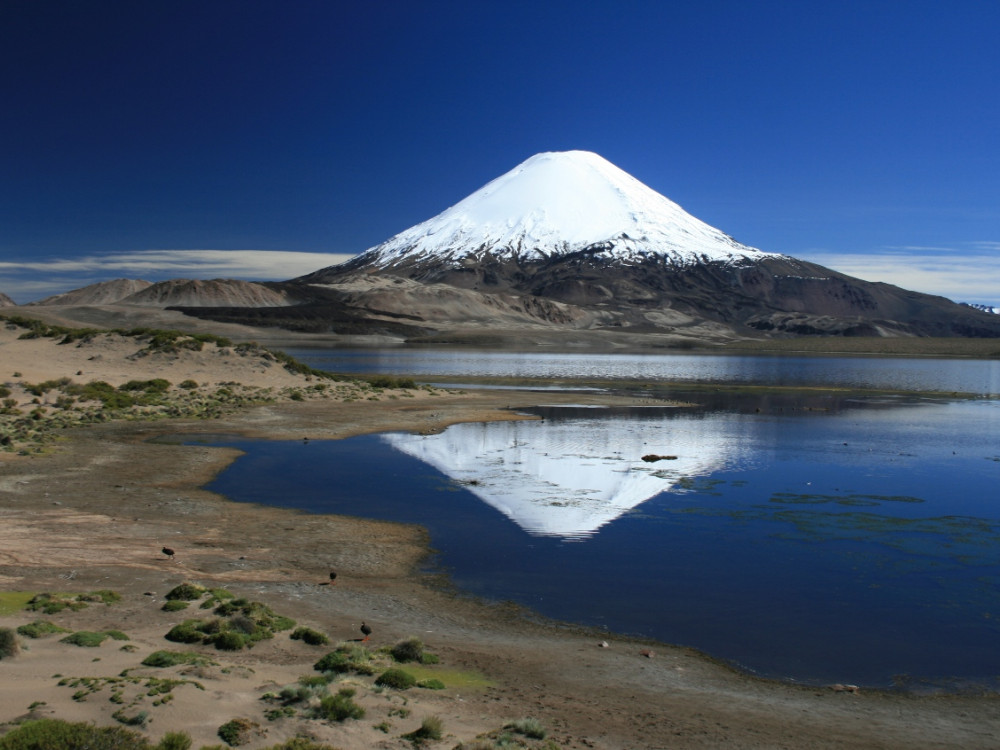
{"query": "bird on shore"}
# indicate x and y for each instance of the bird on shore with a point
(366, 631)
(168, 552)
(333, 578)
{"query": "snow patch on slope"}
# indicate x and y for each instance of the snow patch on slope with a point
(558, 203)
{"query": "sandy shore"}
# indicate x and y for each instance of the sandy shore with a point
(92, 511)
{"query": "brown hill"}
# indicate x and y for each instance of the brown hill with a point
(210, 293)
(101, 293)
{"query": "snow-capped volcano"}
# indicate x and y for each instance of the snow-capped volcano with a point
(559, 203)
(566, 241)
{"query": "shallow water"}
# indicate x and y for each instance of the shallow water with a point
(980, 377)
(859, 544)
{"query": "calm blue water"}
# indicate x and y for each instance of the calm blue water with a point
(981, 377)
(859, 544)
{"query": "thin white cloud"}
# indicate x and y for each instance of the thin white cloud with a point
(26, 281)
(961, 274)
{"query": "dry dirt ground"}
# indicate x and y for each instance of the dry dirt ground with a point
(93, 511)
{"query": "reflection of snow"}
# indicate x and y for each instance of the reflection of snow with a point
(570, 477)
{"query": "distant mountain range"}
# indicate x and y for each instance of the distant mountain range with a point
(565, 242)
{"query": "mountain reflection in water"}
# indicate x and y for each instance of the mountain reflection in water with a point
(578, 472)
(821, 539)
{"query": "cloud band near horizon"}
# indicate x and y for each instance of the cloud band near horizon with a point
(970, 274)
(29, 281)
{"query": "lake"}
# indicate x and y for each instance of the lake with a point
(855, 541)
(979, 377)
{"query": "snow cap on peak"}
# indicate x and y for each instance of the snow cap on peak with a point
(560, 202)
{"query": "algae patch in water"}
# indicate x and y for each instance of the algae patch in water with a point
(853, 500)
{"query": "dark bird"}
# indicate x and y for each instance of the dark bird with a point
(333, 577)
(168, 552)
(366, 631)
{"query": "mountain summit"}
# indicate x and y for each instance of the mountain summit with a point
(560, 203)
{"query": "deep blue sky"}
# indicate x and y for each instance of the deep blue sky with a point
(862, 135)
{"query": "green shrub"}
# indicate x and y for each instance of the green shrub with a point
(175, 741)
(103, 595)
(86, 638)
(297, 743)
(51, 604)
(313, 680)
(396, 678)
(412, 649)
(173, 658)
(49, 734)
(230, 640)
(346, 658)
(432, 728)
(188, 385)
(340, 707)
(174, 605)
(390, 381)
(310, 636)
(40, 628)
(9, 645)
(185, 632)
(431, 684)
(138, 720)
(528, 727)
(238, 731)
(155, 386)
(186, 592)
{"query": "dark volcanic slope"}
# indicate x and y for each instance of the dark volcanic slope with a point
(774, 295)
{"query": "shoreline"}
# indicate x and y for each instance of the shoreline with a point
(586, 695)
(90, 508)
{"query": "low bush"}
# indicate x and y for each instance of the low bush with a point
(186, 592)
(528, 727)
(136, 720)
(173, 658)
(412, 649)
(346, 658)
(175, 741)
(51, 604)
(185, 632)
(40, 628)
(175, 605)
(238, 731)
(431, 684)
(55, 733)
(432, 728)
(310, 636)
(390, 381)
(230, 640)
(396, 678)
(107, 596)
(86, 638)
(9, 645)
(340, 707)
(240, 625)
